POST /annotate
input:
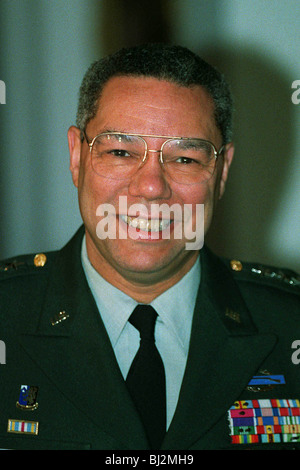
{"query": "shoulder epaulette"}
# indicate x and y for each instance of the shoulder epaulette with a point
(270, 275)
(22, 264)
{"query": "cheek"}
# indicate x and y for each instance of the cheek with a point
(199, 194)
(203, 194)
(94, 191)
(88, 194)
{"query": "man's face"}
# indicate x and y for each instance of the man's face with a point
(143, 105)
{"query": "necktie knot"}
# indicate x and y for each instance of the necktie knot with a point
(143, 318)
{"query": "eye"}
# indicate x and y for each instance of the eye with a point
(119, 153)
(185, 160)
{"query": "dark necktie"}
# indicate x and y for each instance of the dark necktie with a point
(146, 377)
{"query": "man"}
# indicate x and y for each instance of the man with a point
(151, 147)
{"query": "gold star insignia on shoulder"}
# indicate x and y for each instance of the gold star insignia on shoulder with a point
(288, 277)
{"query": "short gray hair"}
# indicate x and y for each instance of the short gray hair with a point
(162, 61)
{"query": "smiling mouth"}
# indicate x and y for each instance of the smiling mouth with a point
(146, 225)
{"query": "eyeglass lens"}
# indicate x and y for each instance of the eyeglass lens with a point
(119, 156)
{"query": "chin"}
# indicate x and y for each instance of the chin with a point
(143, 265)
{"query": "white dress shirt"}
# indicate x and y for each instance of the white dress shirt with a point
(175, 309)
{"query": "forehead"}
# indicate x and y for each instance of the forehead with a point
(151, 106)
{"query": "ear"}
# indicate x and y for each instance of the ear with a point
(227, 160)
(74, 142)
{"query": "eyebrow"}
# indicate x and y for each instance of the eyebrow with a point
(192, 143)
(185, 143)
(118, 131)
(125, 136)
(107, 130)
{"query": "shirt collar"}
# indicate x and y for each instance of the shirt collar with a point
(175, 306)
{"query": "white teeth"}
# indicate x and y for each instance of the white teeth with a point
(153, 225)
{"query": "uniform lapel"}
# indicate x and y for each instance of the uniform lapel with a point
(225, 352)
(77, 355)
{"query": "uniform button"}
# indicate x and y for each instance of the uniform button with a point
(40, 260)
(236, 265)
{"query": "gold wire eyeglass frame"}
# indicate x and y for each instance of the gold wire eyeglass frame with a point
(91, 142)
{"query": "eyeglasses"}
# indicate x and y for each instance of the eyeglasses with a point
(117, 155)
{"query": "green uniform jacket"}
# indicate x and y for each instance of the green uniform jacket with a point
(247, 317)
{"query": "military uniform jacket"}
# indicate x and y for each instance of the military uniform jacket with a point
(246, 323)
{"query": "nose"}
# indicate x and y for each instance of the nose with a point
(150, 181)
